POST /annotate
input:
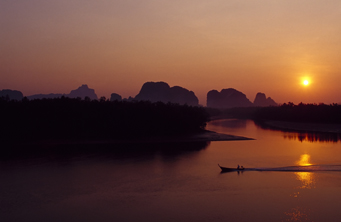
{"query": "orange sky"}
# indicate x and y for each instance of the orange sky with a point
(115, 46)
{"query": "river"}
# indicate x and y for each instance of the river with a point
(179, 182)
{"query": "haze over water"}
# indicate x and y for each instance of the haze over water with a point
(170, 184)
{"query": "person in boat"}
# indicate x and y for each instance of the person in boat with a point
(238, 167)
(242, 168)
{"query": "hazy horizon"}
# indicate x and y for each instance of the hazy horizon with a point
(203, 103)
(116, 46)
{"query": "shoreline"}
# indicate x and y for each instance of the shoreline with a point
(214, 136)
(303, 127)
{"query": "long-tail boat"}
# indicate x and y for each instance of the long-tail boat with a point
(226, 169)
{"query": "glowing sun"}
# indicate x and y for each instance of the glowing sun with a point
(305, 82)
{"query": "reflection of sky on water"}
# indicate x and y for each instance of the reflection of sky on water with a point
(159, 181)
(301, 193)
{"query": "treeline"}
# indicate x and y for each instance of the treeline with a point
(66, 118)
(312, 113)
(307, 113)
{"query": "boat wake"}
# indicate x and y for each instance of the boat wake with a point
(311, 168)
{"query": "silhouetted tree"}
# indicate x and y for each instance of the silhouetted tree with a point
(321, 113)
(67, 118)
(102, 99)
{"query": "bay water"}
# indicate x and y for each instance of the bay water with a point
(179, 181)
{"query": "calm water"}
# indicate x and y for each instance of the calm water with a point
(178, 182)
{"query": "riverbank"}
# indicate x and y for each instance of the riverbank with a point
(303, 127)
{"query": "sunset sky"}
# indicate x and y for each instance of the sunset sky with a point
(269, 46)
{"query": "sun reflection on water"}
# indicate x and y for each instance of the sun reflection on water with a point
(307, 178)
(304, 160)
(297, 214)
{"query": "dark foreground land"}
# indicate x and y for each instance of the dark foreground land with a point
(67, 120)
(64, 127)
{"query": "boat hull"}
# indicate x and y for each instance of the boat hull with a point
(227, 169)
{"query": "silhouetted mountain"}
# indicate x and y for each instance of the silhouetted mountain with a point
(115, 97)
(183, 96)
(261, 100)
(82, 92)
(154, 92)
(11, 94)
(162, 92)
(227, 98)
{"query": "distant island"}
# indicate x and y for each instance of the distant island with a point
(159, 92)
(162, 92)
(11, 94)
(230, 98)
(82, 92)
